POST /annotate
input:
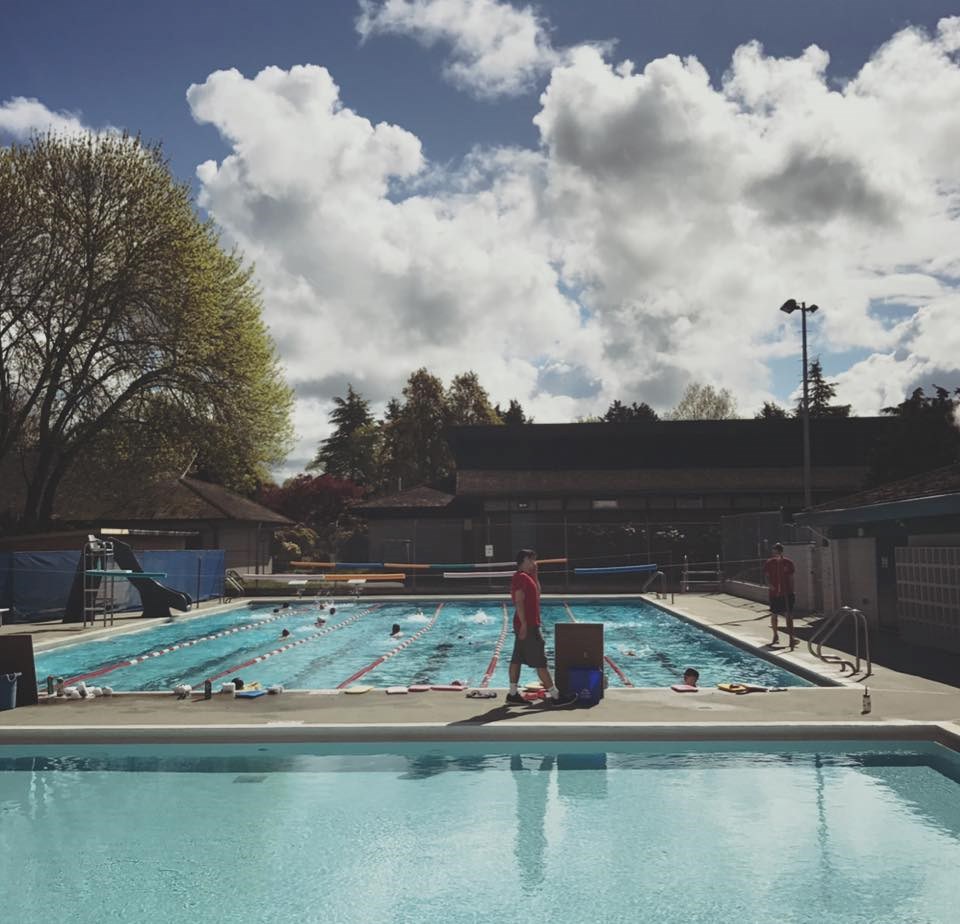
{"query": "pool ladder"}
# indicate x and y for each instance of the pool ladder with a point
(830, 625)
(662, 592)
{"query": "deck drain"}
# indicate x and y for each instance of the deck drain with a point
(250, 778)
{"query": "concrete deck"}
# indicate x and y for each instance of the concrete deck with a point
(904, 704)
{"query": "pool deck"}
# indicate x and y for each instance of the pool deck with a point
(914, 703)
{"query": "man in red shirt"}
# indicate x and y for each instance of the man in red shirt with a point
(528, 645)
(778, 573)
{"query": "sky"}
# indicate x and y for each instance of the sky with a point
(580, 201)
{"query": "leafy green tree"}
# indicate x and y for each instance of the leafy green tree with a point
(415, 451)
(320, 503)
(821, 393)
(771, 411)
(119, 310)
(468, 402)
(924, 437)
(514, 414)
(629, 413)
(704, 402)
(352, 450)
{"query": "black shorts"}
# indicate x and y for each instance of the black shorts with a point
(532, 651)
(781, 605)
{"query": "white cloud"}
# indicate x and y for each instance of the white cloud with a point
(495, 49)
(21, 117)
(646, 243)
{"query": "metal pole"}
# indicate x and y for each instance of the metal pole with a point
(807, 503)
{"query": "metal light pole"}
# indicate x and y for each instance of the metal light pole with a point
(789, 307)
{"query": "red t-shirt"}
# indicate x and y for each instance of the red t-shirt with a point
(779, 575)
(531, 599)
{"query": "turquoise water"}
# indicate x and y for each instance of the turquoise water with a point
(649, 646)
(677, 834)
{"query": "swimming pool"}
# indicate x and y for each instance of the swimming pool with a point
(681, 833)
(441, 642)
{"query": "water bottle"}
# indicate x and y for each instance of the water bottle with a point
(866, 702)
(208, 689)
(50, 686)
(58, 686)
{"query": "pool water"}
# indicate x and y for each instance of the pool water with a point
(423, 834)
(455, 640)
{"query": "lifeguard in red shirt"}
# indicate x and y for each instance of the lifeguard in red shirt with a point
(528, 645)
(778, 572)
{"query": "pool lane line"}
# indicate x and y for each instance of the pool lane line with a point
(130, 662)
(492, 666)
(613, 664)
(300, 641)
(392, 652)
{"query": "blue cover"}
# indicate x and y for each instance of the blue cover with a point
(586, 684)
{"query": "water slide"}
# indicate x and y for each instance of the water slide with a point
(156, 598)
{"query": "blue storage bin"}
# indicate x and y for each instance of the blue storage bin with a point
(8, 691)
(586, 684)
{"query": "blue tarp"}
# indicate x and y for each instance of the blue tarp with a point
(35, 585)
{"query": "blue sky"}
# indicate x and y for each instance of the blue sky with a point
(129, 64)
(474, 220)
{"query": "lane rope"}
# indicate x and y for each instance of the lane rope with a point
(492, 666)
(130, 662)
(300, 641)
(404, 644)
(613, 664)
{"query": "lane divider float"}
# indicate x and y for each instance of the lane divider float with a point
(300, 641)
(492, 666)
(613, 664)
(130, 662)
(393, 651)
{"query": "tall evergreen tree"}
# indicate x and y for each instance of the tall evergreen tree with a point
(821, 393)
(351, 450)
(415, 450)
(771, 411)
(629, 413)
(468, 402)
(925, 437)
(514, 414)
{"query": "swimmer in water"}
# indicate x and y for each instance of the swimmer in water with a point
(395, 631)
(285, 633)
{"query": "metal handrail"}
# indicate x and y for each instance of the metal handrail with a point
(663, 584)
(821, 636)
(717, 575)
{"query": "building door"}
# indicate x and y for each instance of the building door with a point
(856, 575)
(887, 581)
(523, 532)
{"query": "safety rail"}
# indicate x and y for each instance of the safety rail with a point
(648, 584)
(700, 578)
(830, 626)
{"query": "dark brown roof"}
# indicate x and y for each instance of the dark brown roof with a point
(419, 498)
(834, 441)
(940, 481)
(173, 499)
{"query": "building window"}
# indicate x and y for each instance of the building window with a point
(605, 505)
(661, 502)
(689, 503)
